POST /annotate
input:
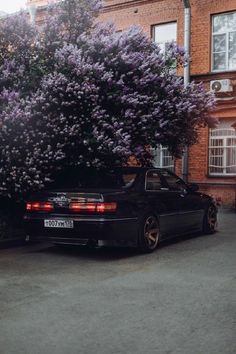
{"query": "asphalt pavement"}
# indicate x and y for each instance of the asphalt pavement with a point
(180, 299)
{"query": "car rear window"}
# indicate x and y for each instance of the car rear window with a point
(93, 178)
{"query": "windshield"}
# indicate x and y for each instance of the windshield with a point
(93, 178)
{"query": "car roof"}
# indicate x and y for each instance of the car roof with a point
(139, 169)
(121, 169)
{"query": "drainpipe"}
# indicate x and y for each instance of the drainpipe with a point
(32, 12)
(187, 34)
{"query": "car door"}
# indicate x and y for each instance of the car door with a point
(189, 203)
(164, 202)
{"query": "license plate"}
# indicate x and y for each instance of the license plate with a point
(66, 224)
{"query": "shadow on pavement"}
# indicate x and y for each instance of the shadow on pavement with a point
(98, 253)
(106, 253)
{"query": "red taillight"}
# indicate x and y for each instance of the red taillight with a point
(93, 207)
(106, 207)
(80, 207)
(39, 206)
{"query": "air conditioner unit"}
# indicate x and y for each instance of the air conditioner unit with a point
(221, 85)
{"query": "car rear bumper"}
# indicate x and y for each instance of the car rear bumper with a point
(85, 228)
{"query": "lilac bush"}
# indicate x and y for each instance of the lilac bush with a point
(92, 97)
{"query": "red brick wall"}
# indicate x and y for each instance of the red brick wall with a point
(144, 14)
(147, 13)
(202, 10)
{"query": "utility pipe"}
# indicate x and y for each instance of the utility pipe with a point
(187, 35)
(32, 11)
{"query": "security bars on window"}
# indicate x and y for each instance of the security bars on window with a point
(222, 152)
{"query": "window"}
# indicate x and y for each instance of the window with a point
(162, 158)
(153, 181)
(165, 33)
(173, 182)
(224, 41)
(222, 150)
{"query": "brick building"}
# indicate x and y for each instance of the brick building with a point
(212, 162)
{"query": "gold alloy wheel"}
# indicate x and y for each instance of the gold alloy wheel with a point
(151, 232)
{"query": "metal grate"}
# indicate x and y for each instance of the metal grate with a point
(222, 151)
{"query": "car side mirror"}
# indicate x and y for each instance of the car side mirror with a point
(193, 187)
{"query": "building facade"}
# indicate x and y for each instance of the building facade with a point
(211, 162)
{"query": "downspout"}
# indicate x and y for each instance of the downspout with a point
(32, 12)
(187, 34)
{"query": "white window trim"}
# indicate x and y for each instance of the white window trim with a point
(162, 149)
(224, 147)
(227, 44)
(164, 42)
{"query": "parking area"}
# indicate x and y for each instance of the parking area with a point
(180, 299)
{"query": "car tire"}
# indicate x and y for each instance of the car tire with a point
(210, 220)
(149, 233)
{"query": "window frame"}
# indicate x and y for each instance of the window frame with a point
(163, 24)
(179, 181)
(224, 147)
(162, 149)
(227, 43)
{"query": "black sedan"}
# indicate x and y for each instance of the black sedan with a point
(127, 206)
